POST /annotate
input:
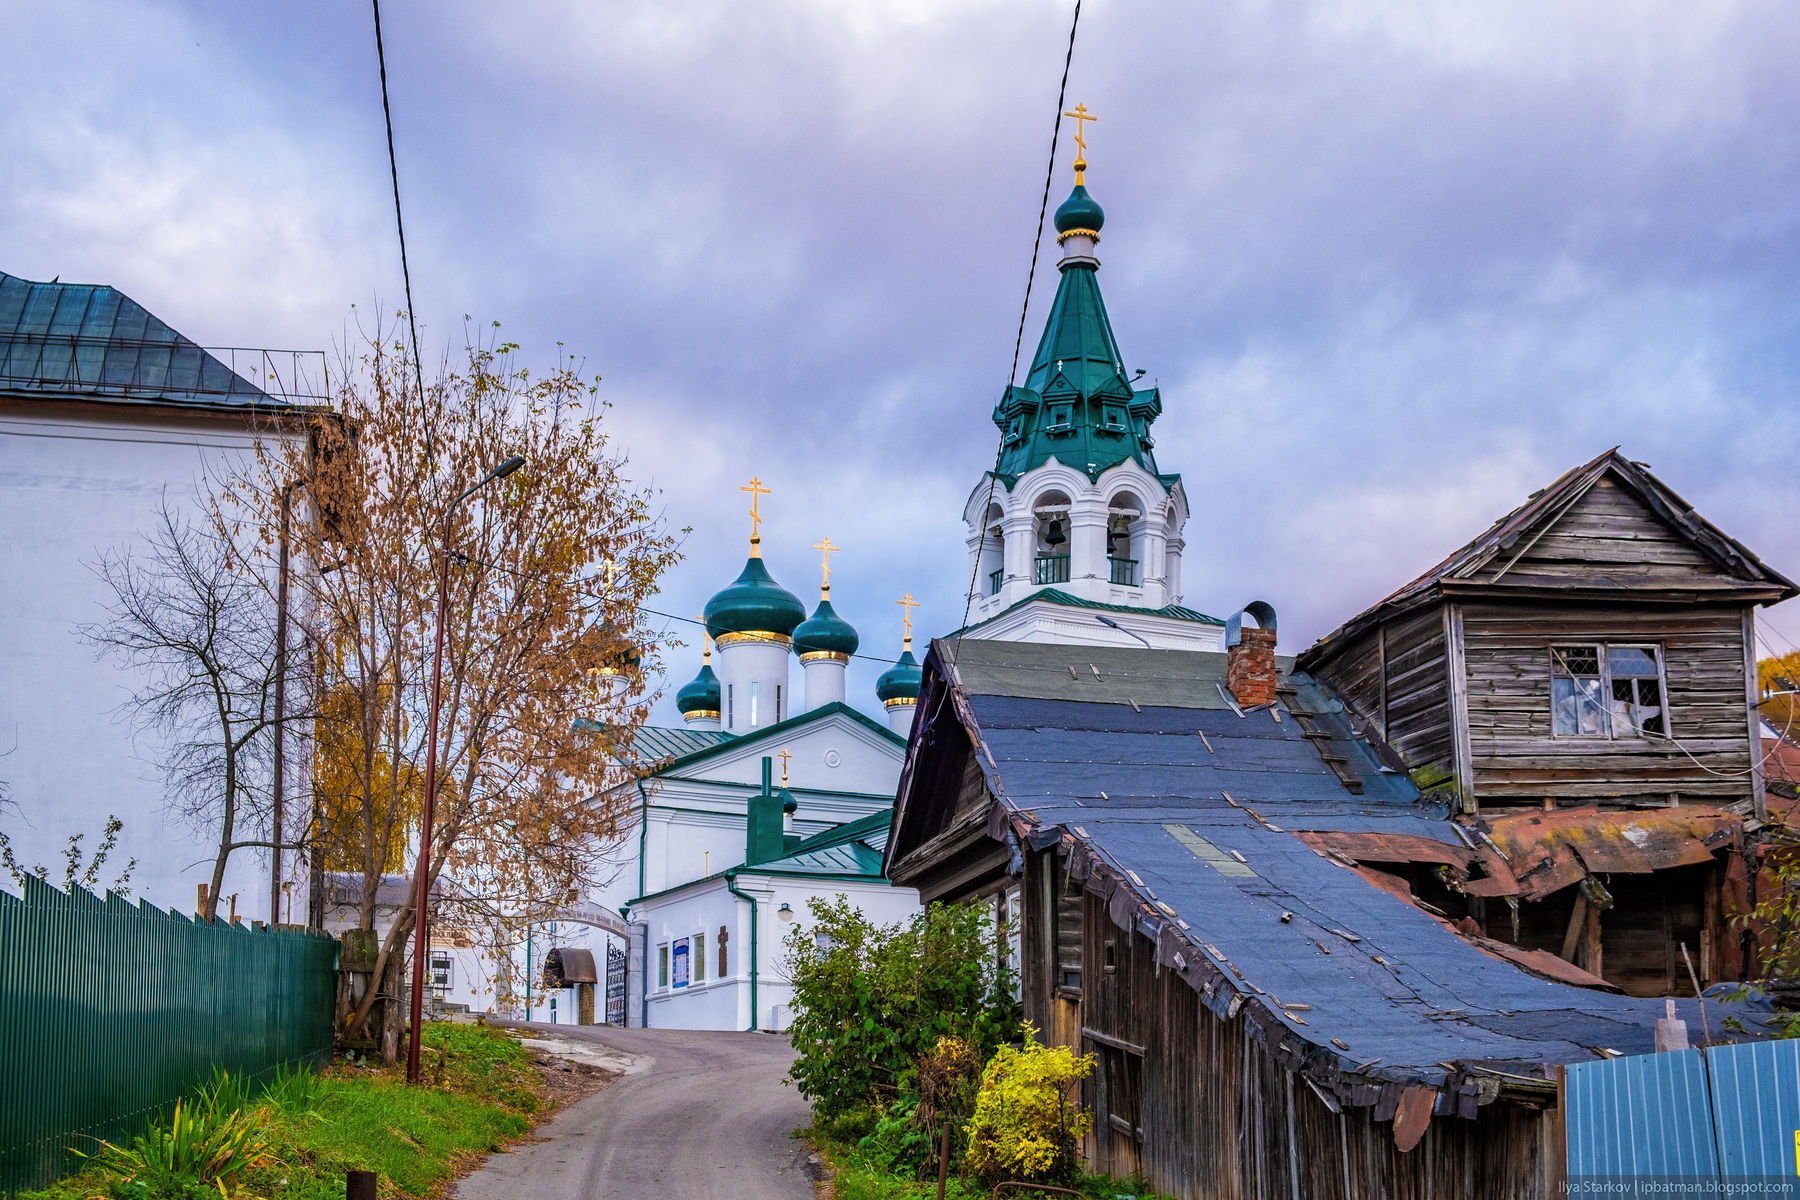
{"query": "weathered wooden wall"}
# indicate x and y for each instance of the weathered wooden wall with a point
(1608, 539)
(1506, 657)
(1201, 1108)
(1397, 675)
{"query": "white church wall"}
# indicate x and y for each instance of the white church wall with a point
(72, 487)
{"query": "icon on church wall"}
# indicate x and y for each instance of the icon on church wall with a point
(681, 963)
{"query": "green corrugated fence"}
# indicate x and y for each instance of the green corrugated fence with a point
(110, 1011)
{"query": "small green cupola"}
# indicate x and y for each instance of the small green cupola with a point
(899, 684)
(825, 635)
(1080, 214)
(898, 687)
(698, 699)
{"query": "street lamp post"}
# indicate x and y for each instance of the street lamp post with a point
(422, 872)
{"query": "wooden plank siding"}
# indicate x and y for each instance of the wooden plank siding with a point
(1608, 539)
(1197, 1105)
(1397, 675)
(1516, 758)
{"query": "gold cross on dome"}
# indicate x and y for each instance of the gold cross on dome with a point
(1081, 116)
(705, 638)
(907, 604)
(757, 492)
(825, 549)
(784, 756)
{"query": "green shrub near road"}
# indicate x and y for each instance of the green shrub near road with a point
(305, 1132)
(871, 1000)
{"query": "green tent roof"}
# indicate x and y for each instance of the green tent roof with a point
(1077, 404)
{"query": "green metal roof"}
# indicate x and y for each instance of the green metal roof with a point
(91, 341)
(1174, 612)
(657, 743)
(853, 849)
(1077, 404)
(731, 741)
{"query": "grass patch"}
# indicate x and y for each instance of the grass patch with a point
(860, 1175)
(416, 1139)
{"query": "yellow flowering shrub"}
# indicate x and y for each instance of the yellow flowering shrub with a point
(1027, 1124)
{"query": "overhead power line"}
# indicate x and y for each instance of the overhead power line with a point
(1037, 242)
(387, 116)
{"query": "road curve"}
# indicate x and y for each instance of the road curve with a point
(709, 1117)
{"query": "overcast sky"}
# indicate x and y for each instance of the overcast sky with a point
(1394, 266)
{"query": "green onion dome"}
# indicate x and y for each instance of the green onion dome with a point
(899, 684)
(754, 603)
(825, 633)
(789, 805)
(701, 694)
(1080, 211)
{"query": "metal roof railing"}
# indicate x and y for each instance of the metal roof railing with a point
(147, 368)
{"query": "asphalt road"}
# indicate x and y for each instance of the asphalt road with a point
(707, 1116)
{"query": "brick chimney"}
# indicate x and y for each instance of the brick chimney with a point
(1250, 673)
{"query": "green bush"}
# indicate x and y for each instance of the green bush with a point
(1026, 1125)
(871, 1000)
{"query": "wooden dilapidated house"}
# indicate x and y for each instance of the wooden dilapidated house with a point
(1312, 963)
(1582, 678)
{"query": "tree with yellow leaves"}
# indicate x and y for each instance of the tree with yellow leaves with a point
(545, 659)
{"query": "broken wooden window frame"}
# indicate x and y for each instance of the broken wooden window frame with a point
(1613, 719)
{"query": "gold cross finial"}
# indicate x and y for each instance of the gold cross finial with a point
(825, 549)
(757, 492)
(705, 640)
(1082, 116)
(907, 604)
(612, 571)
(784, 756)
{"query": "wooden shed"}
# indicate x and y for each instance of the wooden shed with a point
(1592, 653)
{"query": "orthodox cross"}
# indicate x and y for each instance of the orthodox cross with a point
(784, 756)
(705, 638)
(825, 549)
(757, 492)
(1082, 116)
(907, 604)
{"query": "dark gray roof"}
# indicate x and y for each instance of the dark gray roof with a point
(1183, 813)
(95, 342)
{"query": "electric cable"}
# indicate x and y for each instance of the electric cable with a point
(1037, 243)
(387, 116)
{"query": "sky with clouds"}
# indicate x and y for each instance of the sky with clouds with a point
(1393, 265)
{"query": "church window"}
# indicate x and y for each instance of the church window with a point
(682, 957)
(730, 706)
(662, 965)
(724, 956)
(1015, 429)
(1112, 416)
(754, 688)
(699, 958)
(1062, 416)
(778, 702)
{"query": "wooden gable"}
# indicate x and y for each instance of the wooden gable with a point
(1609, 537)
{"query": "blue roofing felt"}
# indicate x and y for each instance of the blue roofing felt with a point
(93, 340)
(1173, 796)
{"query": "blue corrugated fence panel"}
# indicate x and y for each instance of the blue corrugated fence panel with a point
(1646, 1114)
(1756, 1102)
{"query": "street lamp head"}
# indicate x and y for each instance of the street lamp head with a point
(508, 467)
